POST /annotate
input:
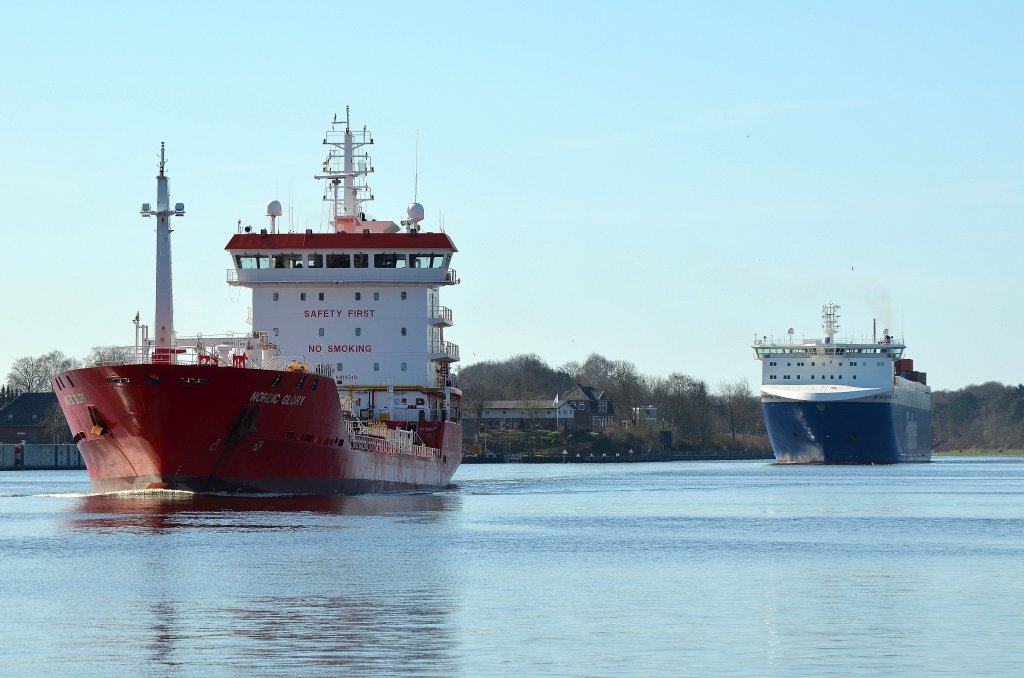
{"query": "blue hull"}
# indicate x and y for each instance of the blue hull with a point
(848, 432)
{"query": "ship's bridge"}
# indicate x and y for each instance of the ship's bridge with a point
(849, 349)
(303, 258)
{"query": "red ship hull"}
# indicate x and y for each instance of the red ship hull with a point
(210, 429)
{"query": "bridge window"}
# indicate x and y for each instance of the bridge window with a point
(426, 260)
(361, 260)
(315, 261)
(252, 261)
(389, 261)
(339, 261)
(287, 260)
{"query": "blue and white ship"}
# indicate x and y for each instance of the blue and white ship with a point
(842, 401)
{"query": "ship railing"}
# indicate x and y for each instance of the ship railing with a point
(441, 313)
(445, 348)
(451, 277)
(395, 441)
(232, 276)
(233, 356)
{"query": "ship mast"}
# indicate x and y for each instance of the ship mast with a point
(164, 309)
(830, 321)
(345, 170)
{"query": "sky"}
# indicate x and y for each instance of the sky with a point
(658, 182)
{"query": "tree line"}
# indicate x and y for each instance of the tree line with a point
(698, 414)
(986, 416)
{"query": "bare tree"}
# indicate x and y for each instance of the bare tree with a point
(32, 375)
(734, 400)
(55, 424)
(110, 355)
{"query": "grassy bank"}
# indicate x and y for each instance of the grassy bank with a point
(978, 453)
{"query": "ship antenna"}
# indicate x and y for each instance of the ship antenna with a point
(416, 179)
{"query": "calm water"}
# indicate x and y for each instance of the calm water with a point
(686, 568)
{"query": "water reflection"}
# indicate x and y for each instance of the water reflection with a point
(159, 511)
(275, 585)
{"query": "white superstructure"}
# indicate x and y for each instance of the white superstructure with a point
(360, 303)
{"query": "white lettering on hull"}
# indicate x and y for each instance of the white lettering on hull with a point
(264, 398)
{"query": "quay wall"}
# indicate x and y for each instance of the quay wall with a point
(39, 457)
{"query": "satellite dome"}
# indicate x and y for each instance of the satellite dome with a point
(415, 212)
(274, 208)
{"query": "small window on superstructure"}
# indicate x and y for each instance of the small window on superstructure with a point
(404, 366)
(403, 331)
(359, 296)
(376, 367)
(339, 367)
(321, 296)
(302, 296)
(321, 331)
(359, 331)
(276, 331)
(403, 296)
(275, 296)
(376, 296)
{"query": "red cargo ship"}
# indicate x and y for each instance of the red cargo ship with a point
(342, 385)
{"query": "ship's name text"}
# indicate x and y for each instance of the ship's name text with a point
(265, 398)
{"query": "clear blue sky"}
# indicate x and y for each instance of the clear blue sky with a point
(656, 182)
